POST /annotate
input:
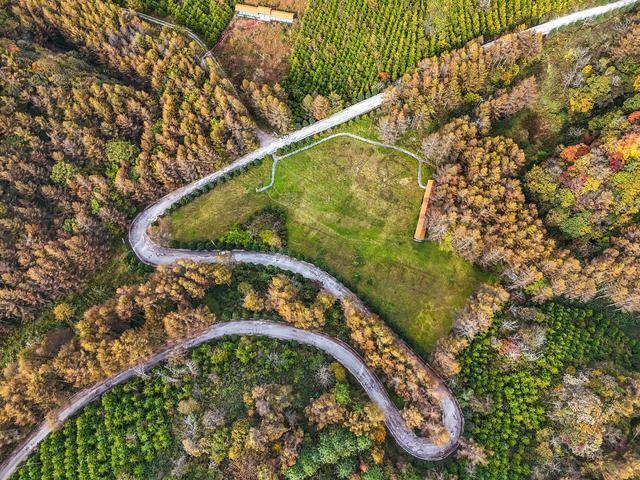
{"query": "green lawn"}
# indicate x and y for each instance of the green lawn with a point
(353, 207)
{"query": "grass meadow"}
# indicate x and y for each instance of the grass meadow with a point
(352, 207)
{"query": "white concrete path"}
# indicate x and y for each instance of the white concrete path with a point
(277, 158)
(262, 328)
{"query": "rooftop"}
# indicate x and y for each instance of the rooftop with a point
(264, 11)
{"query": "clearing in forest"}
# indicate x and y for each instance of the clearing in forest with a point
(255, 51)
(259, 51)
(351, 207)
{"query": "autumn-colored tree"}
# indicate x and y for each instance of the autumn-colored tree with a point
(589, 191)
(97, 146)
(325, 410)
(585, 410)
(626, 45)
(184, 322)
(477, 314)
(271, 104)
(317, 107)
(63, 312)
(613, 467)
(201, 120)
(443, 356)
(617, 270)
(270, 402)
(469, 450)
(252, 301)
(504, 104)
(479, 208)
(283, 298)
(366, 421)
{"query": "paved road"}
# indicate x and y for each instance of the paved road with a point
(337, 349)
(173, 26)
(548, 27)
(153, 254)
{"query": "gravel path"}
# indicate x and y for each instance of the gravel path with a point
(277, 158)
(153, 254)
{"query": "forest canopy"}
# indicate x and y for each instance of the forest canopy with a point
(535, 165)
(85, 146)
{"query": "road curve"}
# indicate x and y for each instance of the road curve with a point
(339, 350)
(153, 254)
(164, 23)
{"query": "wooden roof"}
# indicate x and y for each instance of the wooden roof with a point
(267, 11)
(288, 16)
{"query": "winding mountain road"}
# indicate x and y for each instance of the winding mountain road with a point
(339, 350)
(154, 254)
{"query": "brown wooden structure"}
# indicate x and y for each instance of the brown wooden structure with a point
(421, 227)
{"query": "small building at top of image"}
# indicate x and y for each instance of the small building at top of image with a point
(265, 14)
